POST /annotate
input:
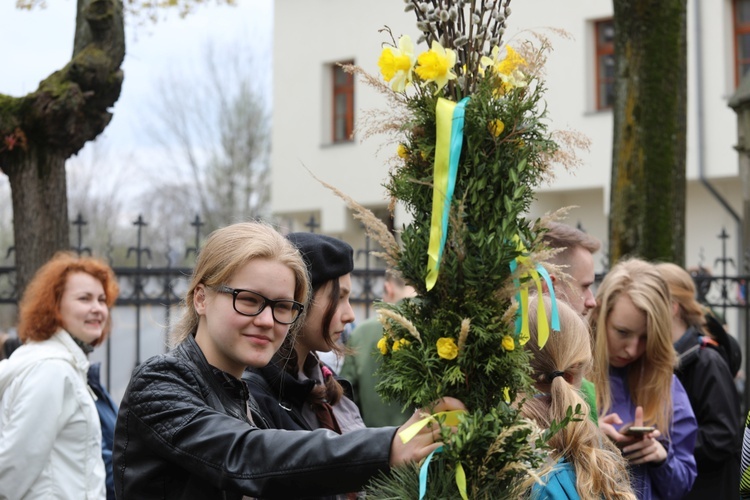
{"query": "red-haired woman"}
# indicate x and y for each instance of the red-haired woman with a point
(50, 436)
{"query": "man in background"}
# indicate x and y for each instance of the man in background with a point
(576, 259)
(360, 366)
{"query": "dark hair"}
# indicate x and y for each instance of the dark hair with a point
(332, 390)
(39, 310)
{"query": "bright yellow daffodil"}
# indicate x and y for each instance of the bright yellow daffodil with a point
(396, 64)
(506, 69)
(447, 348)
(508, 343)
(383, 345)
(436, 65)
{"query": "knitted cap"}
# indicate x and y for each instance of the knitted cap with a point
(326, 258)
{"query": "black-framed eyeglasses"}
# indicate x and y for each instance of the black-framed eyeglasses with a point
(249, 303)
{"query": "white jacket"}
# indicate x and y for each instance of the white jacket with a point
(50, 437)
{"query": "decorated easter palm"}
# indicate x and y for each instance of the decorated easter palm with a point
(472, 147)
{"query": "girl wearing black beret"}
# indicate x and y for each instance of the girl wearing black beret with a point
(296, 390)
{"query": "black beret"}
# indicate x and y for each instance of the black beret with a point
(326, 258)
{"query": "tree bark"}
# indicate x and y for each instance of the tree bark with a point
(39, 131)
(647, 205)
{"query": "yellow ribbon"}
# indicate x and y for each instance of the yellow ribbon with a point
(451, 419)
(461, 481)
(443, 123)
(543, 326)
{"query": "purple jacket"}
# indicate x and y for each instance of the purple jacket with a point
(674, 478)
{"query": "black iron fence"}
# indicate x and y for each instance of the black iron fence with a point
(726, 293)
(150, 296)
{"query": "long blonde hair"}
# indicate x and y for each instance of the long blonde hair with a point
(225, 251)
(682, 289)
(650, 376)
(601, 471)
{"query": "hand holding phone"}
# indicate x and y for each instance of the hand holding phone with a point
(636, 431)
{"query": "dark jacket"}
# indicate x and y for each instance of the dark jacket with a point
(283, 412)
(281, 395)
(107, 409)
(181, 434)
(710, 387)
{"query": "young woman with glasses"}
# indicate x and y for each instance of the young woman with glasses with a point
(187, 426)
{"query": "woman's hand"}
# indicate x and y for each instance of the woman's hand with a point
(607, 426)
(427, 440)
(645, 450)
(637, 449)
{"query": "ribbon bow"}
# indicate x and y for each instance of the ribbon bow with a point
(522, 319)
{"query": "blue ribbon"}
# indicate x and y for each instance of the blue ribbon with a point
(555, 320)
(457, 140)
(423, 473)
(449, 127)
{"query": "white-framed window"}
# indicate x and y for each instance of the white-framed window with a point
(604, 46)
(342, 112)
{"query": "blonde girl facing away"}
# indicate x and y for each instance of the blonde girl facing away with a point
(587, 466)
(633, 373)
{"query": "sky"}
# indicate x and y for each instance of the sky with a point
(40, 42)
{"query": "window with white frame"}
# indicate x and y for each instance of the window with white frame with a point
(604, 36)
(342, 113)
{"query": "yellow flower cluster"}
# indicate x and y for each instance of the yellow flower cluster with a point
(507, 69)
(398, 65)
(397, 344)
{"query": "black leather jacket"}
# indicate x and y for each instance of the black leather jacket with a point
(181, 435)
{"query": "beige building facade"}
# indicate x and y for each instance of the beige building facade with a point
(311, 36)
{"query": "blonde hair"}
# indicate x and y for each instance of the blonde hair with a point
(225, 251)
(601, 471)
(650, 376)
(682, 289)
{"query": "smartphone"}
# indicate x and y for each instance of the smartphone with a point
(637, 431)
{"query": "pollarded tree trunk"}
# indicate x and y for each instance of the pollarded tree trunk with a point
(39, 131)
(647, 206)
(38, 189)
